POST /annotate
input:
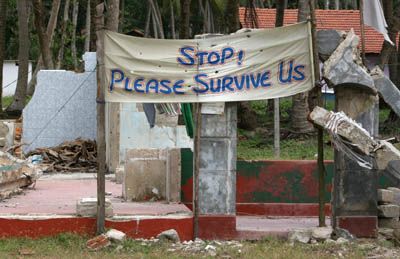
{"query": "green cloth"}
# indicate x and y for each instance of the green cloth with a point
(188, 118)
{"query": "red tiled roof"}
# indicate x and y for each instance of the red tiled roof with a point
(342, 20)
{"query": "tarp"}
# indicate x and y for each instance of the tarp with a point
(252, 65)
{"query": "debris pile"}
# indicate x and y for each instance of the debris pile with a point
(389, 213)
(72, 156)
(198, 246)
(15, 174)
(105, 240)
(320, 235)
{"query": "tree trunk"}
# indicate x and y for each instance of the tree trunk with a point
(87, 36)
(93, 36)
(326, 5)
(231, 16)
(3, 16)
(337, 5)
(173, 34)
(148, 19)
(300, 109)
(122, 15)
(112, 17)
(157, 19)
(44, 39)
(60, 56)
(51, 25)
(184, 30)
(280, 13)
(23, 58)
(73, 41)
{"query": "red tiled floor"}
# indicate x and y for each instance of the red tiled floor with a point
(56, 196)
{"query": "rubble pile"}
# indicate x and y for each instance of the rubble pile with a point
(72, 156)
(389, 213)
(320, 235)
(16, 174)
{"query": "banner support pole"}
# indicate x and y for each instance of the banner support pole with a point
(320, 137)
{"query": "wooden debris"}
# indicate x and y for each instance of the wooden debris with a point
(71, 156)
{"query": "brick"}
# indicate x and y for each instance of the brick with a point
(98, 242)
(389, 223)
(389, 211)
(385, 196)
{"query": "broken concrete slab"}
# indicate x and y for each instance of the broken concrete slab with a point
(302, 235)
(387, 89)
(171, 177)
(115, 235)
(144, 179)
(392, 171)
(327, 42)
(389, 211)
(396, 194)
(393, 223)
(339, 123)
(322, 233)
(87, 207)
(16, 174)
(344, 67)
(345, 127)
(385, 196)
(169, 235)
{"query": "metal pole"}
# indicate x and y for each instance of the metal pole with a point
(320, 161)
(196, 171)
(101, 140)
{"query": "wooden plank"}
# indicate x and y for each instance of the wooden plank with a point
(101, 142)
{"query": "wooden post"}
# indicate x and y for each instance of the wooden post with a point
(277, 133)
(101, 141)
(362, 30)
(196, 208)
(320, 137)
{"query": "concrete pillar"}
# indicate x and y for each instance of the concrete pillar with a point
(217, 177)
(355, 188)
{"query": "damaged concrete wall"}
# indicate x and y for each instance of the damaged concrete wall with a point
(63, 107)
(136, 133)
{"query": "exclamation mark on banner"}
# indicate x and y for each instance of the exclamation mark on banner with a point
(240, 56)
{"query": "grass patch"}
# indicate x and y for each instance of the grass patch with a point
(291, 149)
(73, 246)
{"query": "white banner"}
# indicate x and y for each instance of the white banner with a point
(261, 64)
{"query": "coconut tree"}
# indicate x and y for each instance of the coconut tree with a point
(300, 109)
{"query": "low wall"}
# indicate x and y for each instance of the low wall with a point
(272, 188)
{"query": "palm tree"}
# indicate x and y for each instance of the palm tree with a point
(300, 109)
